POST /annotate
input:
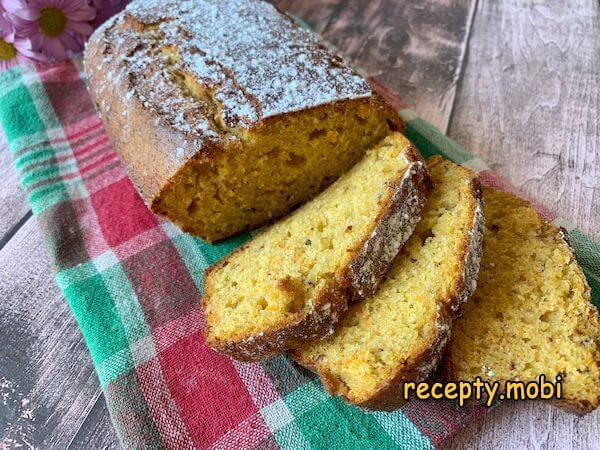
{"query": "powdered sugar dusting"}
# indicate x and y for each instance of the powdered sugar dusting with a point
(18, 416)
(472, 258)
(251, 62)
(393, 230)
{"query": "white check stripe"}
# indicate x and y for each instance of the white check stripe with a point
(476, 165)
(113, 366)
(129, 310)
(170, 229)
(407, 115)
(257, 382)
(277, 415)
(105, 261)
(42, 104)
(143, 350)
(560, 222)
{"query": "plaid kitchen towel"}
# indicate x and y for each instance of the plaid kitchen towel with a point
(133, 282)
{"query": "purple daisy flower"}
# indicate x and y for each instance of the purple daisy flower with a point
(13, 50)
(56, 28)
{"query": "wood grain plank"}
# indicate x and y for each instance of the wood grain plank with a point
(47, 381)
(530, 425)
(318, 14)
(14, 209)
(96, 431)
(416, 48)
(529, 103)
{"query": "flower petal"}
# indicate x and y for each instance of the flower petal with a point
(83, 28)
(22, 10)
(69, 42)
(85, 15)
(53, 48)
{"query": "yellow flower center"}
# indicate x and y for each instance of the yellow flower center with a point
(7, 51)
(52, 22)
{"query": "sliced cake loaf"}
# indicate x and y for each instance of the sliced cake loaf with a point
(398, 334)
(293, 282)
(531, 313)
(226, 114)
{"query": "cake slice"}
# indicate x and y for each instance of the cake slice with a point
(532, 313)
(293, 282)
(398, 334)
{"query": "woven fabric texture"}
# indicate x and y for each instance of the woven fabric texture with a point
(133, 282)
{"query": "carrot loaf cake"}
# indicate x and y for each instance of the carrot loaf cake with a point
(226, 114)
(293, 282)
(399, 333)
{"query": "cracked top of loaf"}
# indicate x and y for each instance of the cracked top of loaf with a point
(211, 67)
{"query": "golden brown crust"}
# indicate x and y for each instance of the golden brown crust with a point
(423, 364)
(332, 302)
(393, 226)
(145, 142)
(390, 396)
(572, 405)
(424, 361)
(153, 151)
(576, 406)
(210, 149)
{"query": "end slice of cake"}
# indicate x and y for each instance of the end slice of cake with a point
(293, 282)
(398, 334)
(532, 313)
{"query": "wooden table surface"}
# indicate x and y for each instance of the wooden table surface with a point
(515, 81)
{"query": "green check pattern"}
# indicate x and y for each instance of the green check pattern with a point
(133, 282)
